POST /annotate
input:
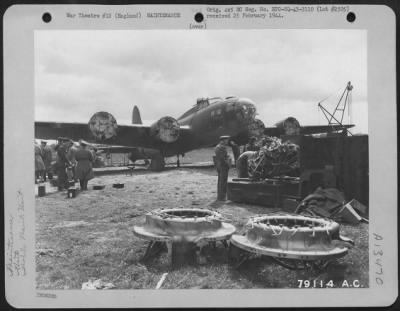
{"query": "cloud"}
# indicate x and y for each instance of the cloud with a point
(286, 72)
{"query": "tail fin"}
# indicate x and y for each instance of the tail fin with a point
(136, 119)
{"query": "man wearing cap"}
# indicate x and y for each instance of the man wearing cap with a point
(39, 165)
(47, 158)
(222, 163)
(71, 150)
(84, 167)
(62, 163)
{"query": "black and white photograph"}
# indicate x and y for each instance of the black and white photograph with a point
(200, 156)
(209, 160)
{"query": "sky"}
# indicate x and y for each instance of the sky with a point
(285, 72)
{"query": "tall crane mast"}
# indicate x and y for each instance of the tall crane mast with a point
(336, 118)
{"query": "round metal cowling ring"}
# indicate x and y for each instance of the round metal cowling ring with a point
(189, 224)
(292, 239)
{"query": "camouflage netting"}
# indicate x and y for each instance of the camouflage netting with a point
(275, 158)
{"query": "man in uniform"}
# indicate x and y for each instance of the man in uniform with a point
(47, 158)
(71, 151)
(39, 165)
(62, 163)
(84, 167)
(222, 162)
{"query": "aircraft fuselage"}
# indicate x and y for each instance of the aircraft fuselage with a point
(227, 117)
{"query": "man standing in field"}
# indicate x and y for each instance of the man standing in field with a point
(39, 165)
(84, 168)
(71, 151)
(62, 163)
(222, 162)
(47, 158)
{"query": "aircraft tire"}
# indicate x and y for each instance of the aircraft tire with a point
(157, 164)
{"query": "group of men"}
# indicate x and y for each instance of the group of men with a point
(223, 162)
(43, 159)
(71, 163)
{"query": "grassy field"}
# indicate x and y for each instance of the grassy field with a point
(90, 237)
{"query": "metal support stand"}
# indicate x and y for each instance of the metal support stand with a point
(295, 264)
(225, 243)
(179, 253)
(153, 249)
(131, 168)
(244, 258)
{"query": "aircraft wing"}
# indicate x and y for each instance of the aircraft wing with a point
(307, 129)
(315, 129)
(132, 135)
(114, 149)
(272, 131)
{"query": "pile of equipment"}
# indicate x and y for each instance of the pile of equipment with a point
(275, 158)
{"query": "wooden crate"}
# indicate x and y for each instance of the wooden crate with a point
(347, 155)
(271, 194)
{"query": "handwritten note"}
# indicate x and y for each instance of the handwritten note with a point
(377, 257)
(16, 239)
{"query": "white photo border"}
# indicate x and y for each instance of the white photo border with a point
(20, 24)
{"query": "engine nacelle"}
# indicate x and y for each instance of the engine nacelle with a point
(165, 130)
(103, 125)
(256, 128)
(289, 126)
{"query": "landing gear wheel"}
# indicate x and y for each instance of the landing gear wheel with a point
(157, 163)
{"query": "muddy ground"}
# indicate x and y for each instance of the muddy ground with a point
(90, 237)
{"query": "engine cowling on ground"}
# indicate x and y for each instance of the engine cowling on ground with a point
(103, 125)
(165, 130)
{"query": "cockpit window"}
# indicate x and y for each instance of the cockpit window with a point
(214, 100)
(201, 103)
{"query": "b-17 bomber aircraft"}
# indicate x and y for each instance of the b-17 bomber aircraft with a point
(199, 127)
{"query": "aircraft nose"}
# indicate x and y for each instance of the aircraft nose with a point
(248, 111)
(242, 110)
